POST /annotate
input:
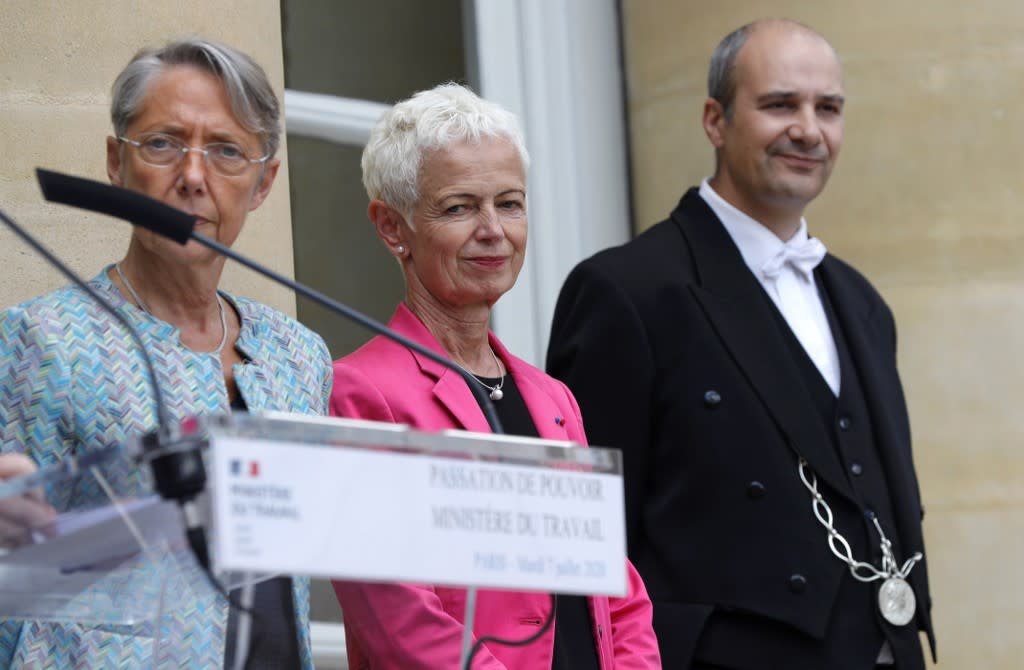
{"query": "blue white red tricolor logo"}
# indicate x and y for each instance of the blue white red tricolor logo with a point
(241, 468)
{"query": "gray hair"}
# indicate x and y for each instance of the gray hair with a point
(445, 115)
(722, 72)
(249, 91)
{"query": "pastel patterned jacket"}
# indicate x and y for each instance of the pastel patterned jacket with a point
(72, 380)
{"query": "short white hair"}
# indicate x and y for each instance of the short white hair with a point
(445, 115)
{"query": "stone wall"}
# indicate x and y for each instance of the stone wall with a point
(57, 62)
(925, 201)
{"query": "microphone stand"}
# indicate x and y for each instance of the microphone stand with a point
(170, 222)
(485, 402)
(381, 329)
(370, 324)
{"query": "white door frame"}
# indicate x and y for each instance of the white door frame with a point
(557, 64)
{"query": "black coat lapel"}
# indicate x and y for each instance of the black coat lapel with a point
(870, 337)
(740, 313)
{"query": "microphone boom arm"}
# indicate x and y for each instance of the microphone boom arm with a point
(170, 222)
(370, 324)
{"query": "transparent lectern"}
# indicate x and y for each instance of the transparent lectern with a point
(352, 499)
(120, 563)
(343, 499)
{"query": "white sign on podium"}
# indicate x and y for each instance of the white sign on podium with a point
(367, 501)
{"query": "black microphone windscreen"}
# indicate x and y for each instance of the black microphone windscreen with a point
(122, 203)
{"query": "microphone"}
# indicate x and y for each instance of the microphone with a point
(162, 219)
(118, 202)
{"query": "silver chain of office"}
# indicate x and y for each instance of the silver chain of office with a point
(895, 597)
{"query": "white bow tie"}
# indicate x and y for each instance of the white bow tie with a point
(804, 257)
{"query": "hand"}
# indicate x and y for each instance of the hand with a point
(19, 515)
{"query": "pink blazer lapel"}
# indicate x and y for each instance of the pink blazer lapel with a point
(452, 392)
(540, 393)
(450, 389)
(537, 390)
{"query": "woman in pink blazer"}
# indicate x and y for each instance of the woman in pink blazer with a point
(446, 176)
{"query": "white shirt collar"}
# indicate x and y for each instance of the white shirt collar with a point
(755, 241)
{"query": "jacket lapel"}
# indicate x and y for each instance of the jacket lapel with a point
(451, 391)
(534, 388)
(256, 383)
(733, 299)
(449, 388)
(870, 346)
(882, 390)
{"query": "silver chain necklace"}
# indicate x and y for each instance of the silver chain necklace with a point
(496, 392)
(145, 308)
(896, 599)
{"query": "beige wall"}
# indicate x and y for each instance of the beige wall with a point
(57, 62)
(926, 200)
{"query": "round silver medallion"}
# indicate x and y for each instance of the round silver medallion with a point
(896, 601)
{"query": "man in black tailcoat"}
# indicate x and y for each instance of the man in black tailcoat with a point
(750, 379)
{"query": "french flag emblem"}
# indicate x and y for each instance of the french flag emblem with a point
(241, 468)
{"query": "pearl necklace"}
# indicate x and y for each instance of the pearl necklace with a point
(145, 308)
(496, 392)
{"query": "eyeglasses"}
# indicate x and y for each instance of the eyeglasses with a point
(224, 158)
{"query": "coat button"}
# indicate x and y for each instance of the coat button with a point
(755, 490)
(797, 583)
(856, 468)
(844, 423)
(712, 399)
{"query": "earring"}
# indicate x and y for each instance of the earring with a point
(400, 249)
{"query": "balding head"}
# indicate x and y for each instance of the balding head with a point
(722, 71)
(777, 122)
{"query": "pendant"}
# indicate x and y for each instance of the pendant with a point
(896, 601)
(496, 394)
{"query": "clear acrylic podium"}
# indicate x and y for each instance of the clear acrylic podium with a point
(385, 503)
(119, 562)
(334, 498)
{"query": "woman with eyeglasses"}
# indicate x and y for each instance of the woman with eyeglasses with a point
(196, 125)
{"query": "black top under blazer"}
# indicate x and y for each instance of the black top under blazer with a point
(670, 345)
